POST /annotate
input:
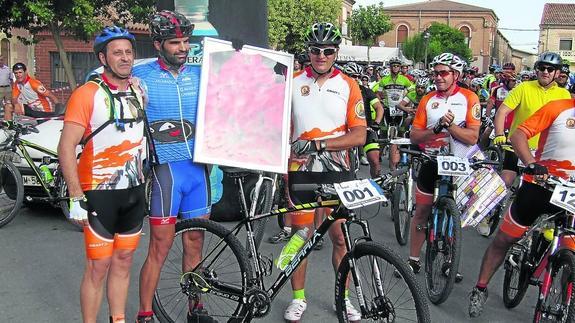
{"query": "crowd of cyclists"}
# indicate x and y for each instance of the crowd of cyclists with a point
(335, 109)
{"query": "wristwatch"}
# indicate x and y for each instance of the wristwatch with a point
(78, 198)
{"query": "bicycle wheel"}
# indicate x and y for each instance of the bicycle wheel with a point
(11, 192)
(443, 251)
(387, 298)
(265, 201)
(400, 213)
(555, 299)
(516, 279)
(219, 282)
(64, 203)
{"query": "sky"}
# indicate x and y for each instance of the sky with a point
(522, 14)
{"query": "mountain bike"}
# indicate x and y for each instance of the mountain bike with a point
(443, 228)
(229, 283)
(544, 257)
(28, 182)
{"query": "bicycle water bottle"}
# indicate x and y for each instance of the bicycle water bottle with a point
(291, 248)
(46, 173)
(403, 160)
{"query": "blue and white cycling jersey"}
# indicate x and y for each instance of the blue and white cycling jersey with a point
(171, 109)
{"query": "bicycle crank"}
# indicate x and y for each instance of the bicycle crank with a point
(259, 301)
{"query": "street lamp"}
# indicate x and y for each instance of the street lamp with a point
(426, 36)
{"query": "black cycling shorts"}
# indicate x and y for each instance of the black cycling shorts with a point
(370, 141)
(29, 112)
(427, 177)
(116, 211)
(299, 197)
(531, 202)
(510, 161)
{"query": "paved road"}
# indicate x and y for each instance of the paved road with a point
(42, 259)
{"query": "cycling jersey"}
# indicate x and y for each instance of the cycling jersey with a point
(172, 107)
(33, 94)
(394, 90)
(463, 103)
(324, 112)
(489, 78)
(498, 95)
(555, 121)
(369, 99)
(528, 97)
(112, 159)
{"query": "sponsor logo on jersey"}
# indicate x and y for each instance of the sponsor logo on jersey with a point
(570, 124)
(476, 111)
(332, 91)
(435, 105)
(304, 90)
(360, 110)
(41, 89)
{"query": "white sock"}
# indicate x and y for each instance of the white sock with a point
(414, 258)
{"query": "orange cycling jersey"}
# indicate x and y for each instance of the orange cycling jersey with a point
(33, 94)
(324, 112)
(555, 122)
(463, 103)
(112, 159)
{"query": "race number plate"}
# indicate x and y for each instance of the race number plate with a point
(400, 141)
(564, 197)
(395, 111)
(453, 166)
(359, 193)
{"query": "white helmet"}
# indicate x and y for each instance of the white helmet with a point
(478, 81)
(448, 59)
(352, 68)
(431, 87)
(422, 82)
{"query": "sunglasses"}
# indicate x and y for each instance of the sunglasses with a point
(549, 69)
(563, 76)
(442, 73)
(355, 76)
(326, 51)
(395, 65)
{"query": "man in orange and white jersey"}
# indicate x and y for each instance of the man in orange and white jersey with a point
(106, 185)
(29, 96)
(555, 155)
(450, 113)
(328, 119)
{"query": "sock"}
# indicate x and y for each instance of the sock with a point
(346, 293)
(145, 314)
(287, 229)
(481, 287)
(299, 294)
(414, 258)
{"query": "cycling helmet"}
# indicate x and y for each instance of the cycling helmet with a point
(18, 66)
(509, 66)
(448, 59)
(364, 77)
(422, 82)
(524, 73)
(384, 72)
(508, 76)
(352, 68)
(564, 69)
(323, 33)
(167, 24)
(431, 87)
(394, 60)
(492, 67)
(498, 70)
(478, 81)
(549, 58)
(112, 33)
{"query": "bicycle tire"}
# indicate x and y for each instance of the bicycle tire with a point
(516, 278)
(11, 192)
(563, 259)
(391, 262)
(264, 205)
(401, 216)
(64, 200)
(450, 247)
(173, 285)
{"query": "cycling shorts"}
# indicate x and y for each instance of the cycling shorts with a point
(114, 220)
(531, 202)
(510, 161)
(395, 121)
(179, 188)
(300, 197)
(371, 141)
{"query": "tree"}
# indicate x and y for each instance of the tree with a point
(78, 18)
(366, 23)
(414, 48)
(289, 20)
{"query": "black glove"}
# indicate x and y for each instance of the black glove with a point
(438, 127)
(536, 169)
(301, 146)
(375, 126)
(237, 43)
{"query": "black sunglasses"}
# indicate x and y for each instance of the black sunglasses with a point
(549, 69)
(326, 51)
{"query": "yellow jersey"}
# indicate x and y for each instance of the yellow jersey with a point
(528, 97)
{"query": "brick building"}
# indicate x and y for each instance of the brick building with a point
(346, 8)
(15, 51)
(557, 30)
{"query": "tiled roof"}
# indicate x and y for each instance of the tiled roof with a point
(438, 5)
(558, 14)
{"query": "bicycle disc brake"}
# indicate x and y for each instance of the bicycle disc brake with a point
(196, 283)
(383, 309)
(258, 301)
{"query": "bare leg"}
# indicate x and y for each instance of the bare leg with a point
(374, 164)
(494, 256)
(119, 281)
(417, 230)
(92, 288)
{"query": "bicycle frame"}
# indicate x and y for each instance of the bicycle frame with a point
(443, 187)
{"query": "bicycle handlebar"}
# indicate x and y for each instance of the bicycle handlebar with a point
(474, 163)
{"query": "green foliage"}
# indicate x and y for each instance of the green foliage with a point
(289, 20)
(414, 48)
(447, 39)
(366, 23)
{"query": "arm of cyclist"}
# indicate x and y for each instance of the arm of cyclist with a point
(489, 106)
(378, 111)
(69, 140)
(467, 135)
(520, 144)
(499, 121)
(354, 138)
(405, 106)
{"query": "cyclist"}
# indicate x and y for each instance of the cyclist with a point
(524, 76)
(411, 100)
(491, 77)
(554, 155)
(392, 89)
(6, 80)
(106, 184)
(498, 95)
(524, 100)
(29, 96)
(321, 140)
(373, 118)
(180, 187)
(450, 113)
(563, 77)
(405, 72)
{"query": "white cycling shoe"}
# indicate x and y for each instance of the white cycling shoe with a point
(294, 311)
(353, 315)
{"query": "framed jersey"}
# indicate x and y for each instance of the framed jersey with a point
(244, 107)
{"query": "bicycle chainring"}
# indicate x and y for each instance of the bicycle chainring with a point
(259, 301)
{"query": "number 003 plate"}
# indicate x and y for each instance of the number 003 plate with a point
(359, 193)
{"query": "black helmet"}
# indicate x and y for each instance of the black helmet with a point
(18, 66)
(509, 66)
(549, 58)
(168, 24)
(565, 69)
(323, 33)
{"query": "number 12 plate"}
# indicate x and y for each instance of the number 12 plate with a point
(359, 193)
(564, 197)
